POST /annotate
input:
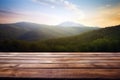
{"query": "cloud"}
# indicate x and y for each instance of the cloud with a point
(48, 2)
(8, 12)
(107, 16)
(106, 6)
(52, 7)
(77, 13)
(7, 16)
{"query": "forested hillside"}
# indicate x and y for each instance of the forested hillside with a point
(102, 40)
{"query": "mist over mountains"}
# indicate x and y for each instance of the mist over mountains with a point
(71, 24)
(14, 38)
(31, 31)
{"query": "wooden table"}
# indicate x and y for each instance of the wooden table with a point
(60, 65)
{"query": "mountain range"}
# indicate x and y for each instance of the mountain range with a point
(32, 31)
(98, 40)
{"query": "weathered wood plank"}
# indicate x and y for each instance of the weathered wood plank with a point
(56, 53)
(61, 73)
(60, 62)
(60, 65)
(47, 56)
(81, 58)
(60, 54)
(63, 66)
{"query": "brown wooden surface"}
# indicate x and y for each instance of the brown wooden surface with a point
(60, 65)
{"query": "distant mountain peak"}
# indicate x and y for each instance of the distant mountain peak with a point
(24, 22)
(70, 24)
(30, 23)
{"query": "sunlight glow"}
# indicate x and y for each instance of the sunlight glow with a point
(101, 13)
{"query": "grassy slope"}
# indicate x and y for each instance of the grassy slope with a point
(106, 39)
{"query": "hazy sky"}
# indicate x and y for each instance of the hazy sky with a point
(87, 12)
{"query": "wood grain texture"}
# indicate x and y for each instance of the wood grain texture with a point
(60, 65)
